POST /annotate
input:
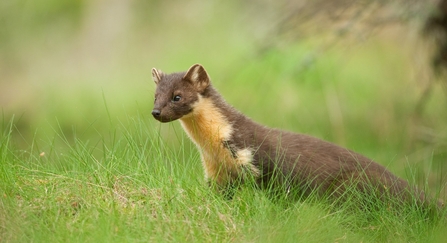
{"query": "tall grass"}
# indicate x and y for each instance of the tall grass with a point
(133, 186)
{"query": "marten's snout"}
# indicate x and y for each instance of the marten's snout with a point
(156, 113)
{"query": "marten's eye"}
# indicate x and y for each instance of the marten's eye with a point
(176, 98)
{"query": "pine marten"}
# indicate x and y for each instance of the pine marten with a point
(234, 148)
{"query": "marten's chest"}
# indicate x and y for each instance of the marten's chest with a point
(212, 134)
(209, 134)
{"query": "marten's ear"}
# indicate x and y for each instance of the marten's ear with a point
(156, 75)
(197, 75)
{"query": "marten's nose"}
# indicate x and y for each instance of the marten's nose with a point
(156, 112)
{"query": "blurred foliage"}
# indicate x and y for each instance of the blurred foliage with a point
(436, 27)
(22, 19)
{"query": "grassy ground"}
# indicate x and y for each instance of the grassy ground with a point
(138, 188)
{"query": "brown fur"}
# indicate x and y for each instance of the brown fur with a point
(233, 147)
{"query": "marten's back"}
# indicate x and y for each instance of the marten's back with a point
(309, 163)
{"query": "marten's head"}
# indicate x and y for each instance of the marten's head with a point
(177, 93)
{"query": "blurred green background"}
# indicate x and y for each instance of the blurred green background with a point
(356, 74)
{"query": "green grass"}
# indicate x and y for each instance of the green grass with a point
(133, 186)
